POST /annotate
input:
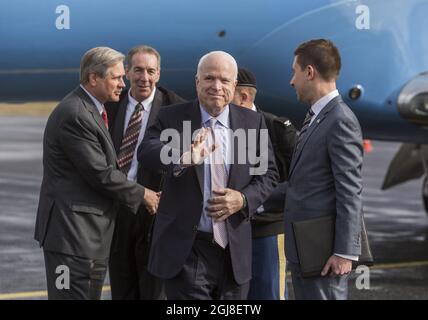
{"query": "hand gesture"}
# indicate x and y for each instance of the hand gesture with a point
(198, 149)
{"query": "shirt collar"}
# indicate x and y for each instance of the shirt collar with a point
(146, 103)
(222, 118)
(98, 104)
(321, 103)
(253, 107)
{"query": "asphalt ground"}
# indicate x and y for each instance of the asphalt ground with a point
(396, 221)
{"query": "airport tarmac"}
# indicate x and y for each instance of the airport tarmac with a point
(396, 221)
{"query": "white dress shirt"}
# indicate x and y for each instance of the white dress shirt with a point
(321, 103)
(147, 106)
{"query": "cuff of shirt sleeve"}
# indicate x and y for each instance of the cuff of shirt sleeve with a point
(349, 257)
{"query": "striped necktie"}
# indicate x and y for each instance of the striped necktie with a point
(130, 139)
(305, 126)
(218, 181)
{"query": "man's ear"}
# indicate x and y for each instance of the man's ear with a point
(92, 79)
(310, 72)
(244, 96)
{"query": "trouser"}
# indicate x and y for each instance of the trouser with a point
(206, 275)
(318, 288)
(264, 284)
(129, 277)
(74, 278)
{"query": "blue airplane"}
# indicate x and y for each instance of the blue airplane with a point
(383, 43)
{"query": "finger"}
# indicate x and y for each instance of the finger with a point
(199, 136)
(326, 268)
(203, 135)
(216, 214)
(217, 200)
(222, 218)
(346, 270)
(216, 208)
(335, 272)
(220, 192)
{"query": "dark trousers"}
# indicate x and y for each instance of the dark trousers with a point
(73, 278)
(318, 288)
(129, 278)
(264, 284)
(206, 275)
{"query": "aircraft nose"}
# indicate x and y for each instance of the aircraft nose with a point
(412, 102)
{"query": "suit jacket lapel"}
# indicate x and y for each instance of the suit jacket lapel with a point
(119, 123)
(89, 104)
(156, 104)
(324, 112)
(235, 120)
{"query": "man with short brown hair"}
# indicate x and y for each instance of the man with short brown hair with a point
(325, 171)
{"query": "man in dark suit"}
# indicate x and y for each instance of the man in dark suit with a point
(325, 172)
(129, 278)
(82, 186)
(268, 223)
(201, 239)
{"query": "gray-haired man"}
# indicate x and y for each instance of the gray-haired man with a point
(82, 186)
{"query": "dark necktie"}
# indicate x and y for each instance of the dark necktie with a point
(218, 181)
(305, 126)
(105, 118)
(130, 139)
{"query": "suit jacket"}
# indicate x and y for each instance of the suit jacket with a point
(148, 178)
(81, 187)
(325, 178)
(181, 202)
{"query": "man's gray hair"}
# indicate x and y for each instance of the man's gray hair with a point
(98, 60)
(142, 49)
(222, 53)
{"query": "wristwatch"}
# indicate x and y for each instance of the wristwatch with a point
(244, 200)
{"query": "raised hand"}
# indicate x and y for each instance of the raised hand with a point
(198, 149)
